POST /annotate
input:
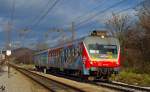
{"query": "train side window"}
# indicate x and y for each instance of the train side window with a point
(69, 54)
(56, 53)
(68, 51)
(63, 53)
(72, 51)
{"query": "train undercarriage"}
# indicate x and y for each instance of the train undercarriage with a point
(94, 74)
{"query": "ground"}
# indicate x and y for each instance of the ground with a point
(18, 82)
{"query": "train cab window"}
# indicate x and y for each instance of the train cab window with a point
(103, 51)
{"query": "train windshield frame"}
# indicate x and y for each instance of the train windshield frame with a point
(102, 51)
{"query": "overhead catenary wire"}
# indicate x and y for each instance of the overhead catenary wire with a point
(87, 13)
(12, 11)
(80, 24)
(123, 10)
(27, 28)
(37, 16)
(126, 9)
(45, 14)
(92, 10)
(100, 12)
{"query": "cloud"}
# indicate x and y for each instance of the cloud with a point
(61, 16)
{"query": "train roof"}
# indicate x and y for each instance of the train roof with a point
(86, 39)
(82, 39)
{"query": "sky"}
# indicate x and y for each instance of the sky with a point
(38, 16)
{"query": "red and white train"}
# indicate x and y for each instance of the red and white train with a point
(96, 56)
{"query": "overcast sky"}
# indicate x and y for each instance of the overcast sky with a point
(86, 14)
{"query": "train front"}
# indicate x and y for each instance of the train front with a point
(101, 56)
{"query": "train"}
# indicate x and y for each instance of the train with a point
(96, 56)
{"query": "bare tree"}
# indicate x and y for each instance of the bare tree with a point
(144, 22)
(119, 25)
(144, 15)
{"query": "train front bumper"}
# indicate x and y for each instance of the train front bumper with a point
(109, 64)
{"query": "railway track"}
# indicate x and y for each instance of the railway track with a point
(122, 86)
(55, 85)
(52, 85)
(110, 84)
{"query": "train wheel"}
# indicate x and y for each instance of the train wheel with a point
(106, 78)
(45, 70)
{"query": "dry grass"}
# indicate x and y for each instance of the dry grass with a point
(130, 77)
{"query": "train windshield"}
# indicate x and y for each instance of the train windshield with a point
(102, 51)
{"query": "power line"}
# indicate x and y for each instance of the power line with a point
(88, 12)
(41, 12)
(123, 10)
(12, 11)
(45, 14)
(101, 2)
(101, 12)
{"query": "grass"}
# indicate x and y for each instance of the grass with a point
(130, 77)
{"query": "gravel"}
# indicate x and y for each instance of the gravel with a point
(18, 83)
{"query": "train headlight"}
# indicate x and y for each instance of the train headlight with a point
(102, 36)
(91, 62)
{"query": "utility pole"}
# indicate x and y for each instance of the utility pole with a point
(8, 29)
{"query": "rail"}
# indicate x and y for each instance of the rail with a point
(52, 85)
